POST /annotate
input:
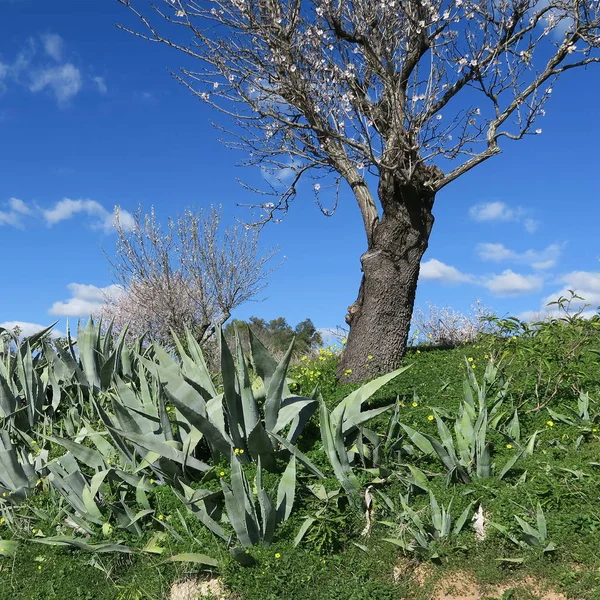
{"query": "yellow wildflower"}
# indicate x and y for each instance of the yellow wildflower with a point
(370, 357)
(430, 418)
(277, 555)
(509, 446)
(470, 359)
(415, 404)
(222, 474)
(347, 371)
(550, 423)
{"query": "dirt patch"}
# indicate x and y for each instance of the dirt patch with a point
(463, 586)
(196, 589)
(418, 572)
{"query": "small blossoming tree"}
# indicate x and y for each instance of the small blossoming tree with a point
(445, 326)
(394, 99)
(186, 274)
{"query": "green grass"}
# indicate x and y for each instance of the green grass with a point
(334, 560)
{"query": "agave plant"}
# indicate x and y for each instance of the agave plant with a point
(530, 536)
(17, 477)
(468, 453)
(416, 535)
(579, 418)
(234, 419)
(251, 523)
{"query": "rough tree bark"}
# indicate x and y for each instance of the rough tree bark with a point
(380, 318)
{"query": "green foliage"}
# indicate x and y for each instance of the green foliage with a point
(132, 467)
(530, 536)
(468, 453)
(427, 538)
(277, 335)
(549, 359)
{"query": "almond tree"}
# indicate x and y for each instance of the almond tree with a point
(186, 274)
(391, 99)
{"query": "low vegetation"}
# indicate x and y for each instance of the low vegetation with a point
(125, 468)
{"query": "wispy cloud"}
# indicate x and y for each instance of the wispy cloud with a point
(13, 212)
(64, 81)
(502, 212)
(538, 259)
(100, 84)
(99, 217)
(54, 46)
(16, 209)
(435, 270)
(42, 66)
(85, 300)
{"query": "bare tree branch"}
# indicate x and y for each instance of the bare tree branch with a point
(333, 85)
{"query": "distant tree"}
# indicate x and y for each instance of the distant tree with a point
(395, 98)
(277, 334)
(187, 274)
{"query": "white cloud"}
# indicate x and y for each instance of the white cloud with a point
(100, 218)
(494, 211)
(531, 225)
(584, 283)
(16, 209)
(32, 69)
(538, 259)
(100, 84)
(85, 300)
(494, 252)
(28, 329)
(510, 283)
(19, 206)
(53, 46)
(9, 218)
(64, 81)
(435, 270)
(126, 220)
(547, 313)
(500, 212)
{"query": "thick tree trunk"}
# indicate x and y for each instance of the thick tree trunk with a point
(380, 318)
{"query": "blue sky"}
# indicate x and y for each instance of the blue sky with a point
(90, 119)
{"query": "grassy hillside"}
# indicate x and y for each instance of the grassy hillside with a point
(481, 477)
